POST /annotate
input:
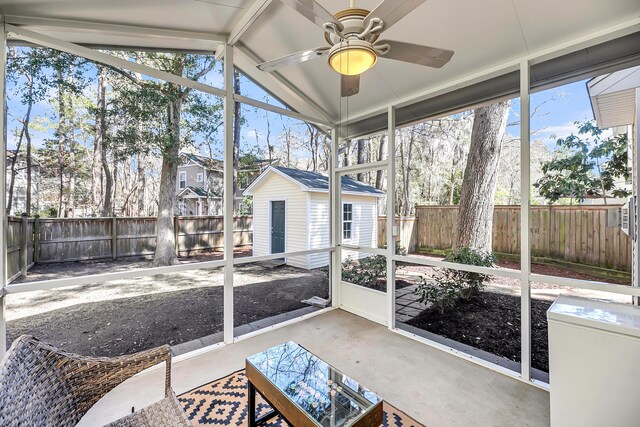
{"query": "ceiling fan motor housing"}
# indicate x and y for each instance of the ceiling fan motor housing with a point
(353, 23)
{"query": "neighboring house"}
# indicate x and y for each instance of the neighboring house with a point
(199, 184)
(615, 99)
(19, 200)
(291, 213)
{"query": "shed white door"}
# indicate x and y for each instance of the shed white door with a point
(277, 226)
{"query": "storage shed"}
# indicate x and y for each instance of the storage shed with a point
(291, 213)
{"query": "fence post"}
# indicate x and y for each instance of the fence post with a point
(176, 233)
(114, 237)
(36, 239)
(24, 247)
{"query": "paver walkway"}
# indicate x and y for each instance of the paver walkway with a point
(408, 305)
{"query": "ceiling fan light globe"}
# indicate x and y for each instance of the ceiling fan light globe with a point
(352, 60)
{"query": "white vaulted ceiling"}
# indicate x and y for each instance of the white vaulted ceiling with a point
(483, 34)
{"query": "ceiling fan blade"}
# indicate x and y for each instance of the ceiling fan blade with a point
(416, 54)
(391, 11)
(313, 11)
(349, 85)
(294, 58)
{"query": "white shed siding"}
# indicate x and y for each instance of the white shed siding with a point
(280, 188)
(364, 229)
(319, 228)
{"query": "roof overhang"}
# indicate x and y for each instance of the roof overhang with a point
(351, 193)
(250, 190)
(614, 97)
(508, 32)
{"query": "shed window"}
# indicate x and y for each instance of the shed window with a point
(182, 178)
(347, 220)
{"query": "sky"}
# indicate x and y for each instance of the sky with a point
(557, 109)
(255, 123)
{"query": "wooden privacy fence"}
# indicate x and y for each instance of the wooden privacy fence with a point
(406, 232)
(20, 247)
(47, 240)
(577, 234)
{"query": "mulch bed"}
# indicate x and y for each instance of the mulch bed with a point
(126, 325)
(491, 322)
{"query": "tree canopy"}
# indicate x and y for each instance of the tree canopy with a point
(585, 164)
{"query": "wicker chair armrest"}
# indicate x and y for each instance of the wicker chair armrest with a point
(43, 385)
(131, 364)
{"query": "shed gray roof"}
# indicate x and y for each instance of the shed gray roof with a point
(318, 181)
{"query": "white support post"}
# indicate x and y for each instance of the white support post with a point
(635, 168)
(228, 196)
(335, 220)
(3, 207)
(525, 249)
(391, 216)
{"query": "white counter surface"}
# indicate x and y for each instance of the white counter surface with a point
(608, 316)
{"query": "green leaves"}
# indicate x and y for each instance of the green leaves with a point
(449, 285)
(585, 165)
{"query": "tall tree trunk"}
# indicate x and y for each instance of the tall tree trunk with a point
(454, 168)
(142, 184)
(61, 136)
(237, 122)
(108, 182)
(382, 155)
(29, 165)
(347, 153)
(27, 135)
(72, 147)
(361, 150)
(98, 141)
(475, 214)
(165, 253)
(12, 173)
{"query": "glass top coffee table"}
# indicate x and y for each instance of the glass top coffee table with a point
(306, 391)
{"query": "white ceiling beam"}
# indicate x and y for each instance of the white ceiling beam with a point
(293, 91)
(97, 56)
(131, 30)
(247, 20)
(94, 55)
(279, 110)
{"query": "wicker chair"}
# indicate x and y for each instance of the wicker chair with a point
(41, 385)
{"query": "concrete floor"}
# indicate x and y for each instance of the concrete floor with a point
(434, 387)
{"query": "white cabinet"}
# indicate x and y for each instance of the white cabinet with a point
(594, 363)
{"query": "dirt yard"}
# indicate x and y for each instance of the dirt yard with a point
(491, 323)
(130, 315)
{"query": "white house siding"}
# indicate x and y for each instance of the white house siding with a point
(279, 188)
(364, 228)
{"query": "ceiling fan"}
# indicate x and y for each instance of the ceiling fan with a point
(353, 40)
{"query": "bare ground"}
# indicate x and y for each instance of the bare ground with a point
(130, 315)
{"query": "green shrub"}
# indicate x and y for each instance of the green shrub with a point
(441, 296)
(368, 271)
(449, 285)
(470, 284)
(365, 271)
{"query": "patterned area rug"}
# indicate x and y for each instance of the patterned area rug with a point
(224, 403)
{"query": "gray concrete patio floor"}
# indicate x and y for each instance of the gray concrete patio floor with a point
(436, 388)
